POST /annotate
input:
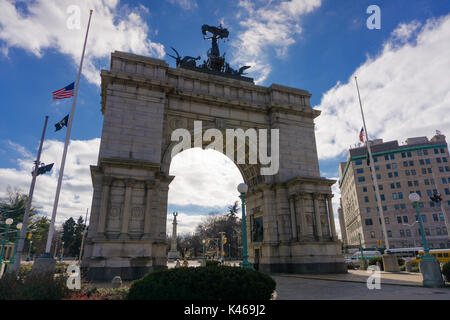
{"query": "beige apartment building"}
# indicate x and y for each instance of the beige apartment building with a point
(419, 165)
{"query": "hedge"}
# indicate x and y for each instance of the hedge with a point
(203, 283)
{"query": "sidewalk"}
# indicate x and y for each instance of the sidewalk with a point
(400, 278)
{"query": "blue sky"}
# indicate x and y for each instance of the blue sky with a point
(309, 44)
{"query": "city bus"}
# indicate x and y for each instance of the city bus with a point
(404, 253)
(367, 256)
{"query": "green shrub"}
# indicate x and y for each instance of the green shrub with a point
(350, 266)
(203, 283)
(446, 271)
(212, 263)
(373, 261)
(33, 287)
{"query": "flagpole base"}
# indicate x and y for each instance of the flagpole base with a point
(44, 264)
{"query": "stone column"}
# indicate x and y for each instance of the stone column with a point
(294, 235)
(331, 217)
(104, 205)
(300, 200)
(173, 253)
(317, 217)
(148, 209)
(126, 208)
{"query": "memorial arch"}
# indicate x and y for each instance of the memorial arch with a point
(289, 215)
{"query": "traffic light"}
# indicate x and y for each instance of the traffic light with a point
(224, 240)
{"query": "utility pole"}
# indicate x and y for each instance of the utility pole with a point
(221, 245)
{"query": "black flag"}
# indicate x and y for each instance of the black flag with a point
(62, 123)
(44, 168)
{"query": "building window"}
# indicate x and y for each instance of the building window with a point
(410, 183)
(408, 233)
(405, 219)
(436, 151)
(388, 167)
(438, 160)
(402, 206)
(358, 162)
(444, 160)
(386, 220)
(258, 233)
(413, 172)
(395, 174)
(427, 231)
(424, 171)
(372, 234)
(447, 168)
(394, 166)
(403, 155)
(425, 152)
(438, 231)
(369, 222)
(380, 187)
(386, 157)
(400, 195)
(442, 150)
(447, 191)
(435, 217)
(441, 216)
(392, 156)
(402, 233)
(422, 162)
(361, 179)
(429, 170)
(378, 176)
(390, 174)
(382, 197)
(394, 196)
(368, 210)
(389, 232)
(441, 169)
(375, 159)
(444, 180)
(392, 185)
(364, 189)
(409, 154)
(427, 161)
(399, 219)
(366, 199)
(407, 172)
(405, 163)
(427, 182)
(398, 184)
(424, 218)
(396, 206)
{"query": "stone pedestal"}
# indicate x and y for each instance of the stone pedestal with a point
(44, 264)
(173, 255)
(431, 272)
(390, 263)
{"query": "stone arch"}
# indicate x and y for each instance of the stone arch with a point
(143, 101)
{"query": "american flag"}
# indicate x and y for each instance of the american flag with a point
(64, 93)
(361, 135)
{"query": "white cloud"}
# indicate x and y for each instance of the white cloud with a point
(405, 91)
(185, 4)
(267, 30)
(43, 25)
(204, 178)
(76, 192)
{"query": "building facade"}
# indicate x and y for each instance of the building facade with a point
(420, 165)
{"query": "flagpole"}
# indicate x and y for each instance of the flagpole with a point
(26, 216)
(372, 166)
(66, 145)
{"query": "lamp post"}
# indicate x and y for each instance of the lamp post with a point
(29, 250)
(204, 258)
(8, 223)
(243, 188)
(19, 226)
(429, 266)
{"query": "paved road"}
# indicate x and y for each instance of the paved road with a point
(290, 288)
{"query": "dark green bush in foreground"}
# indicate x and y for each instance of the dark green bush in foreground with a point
(33, 287)
(446, 271)
(212, 263)
(203, 283)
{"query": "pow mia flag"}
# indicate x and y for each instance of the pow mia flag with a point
(62, 123)
(44, 168)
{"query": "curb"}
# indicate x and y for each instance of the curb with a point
(349, 280)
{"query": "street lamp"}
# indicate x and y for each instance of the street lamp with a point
(204, 258)
(19, 227)
(429, 266)
(29, 250)
(243, 188)
(8, 223)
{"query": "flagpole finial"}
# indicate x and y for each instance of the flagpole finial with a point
(91, 11)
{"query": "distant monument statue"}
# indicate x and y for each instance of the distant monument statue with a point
(216, 63)
(173, 253)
